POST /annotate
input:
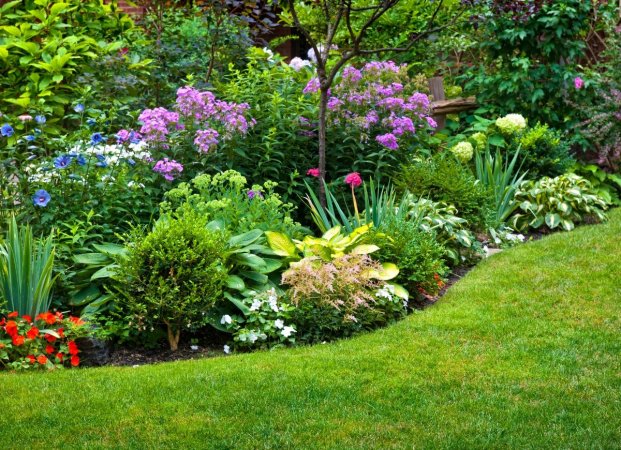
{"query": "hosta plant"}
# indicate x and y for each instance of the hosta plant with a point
(45, 342)
(559, 202)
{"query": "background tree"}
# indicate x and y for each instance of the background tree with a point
(355, 19)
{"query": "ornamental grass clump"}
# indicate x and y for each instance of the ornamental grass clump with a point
(173, 275)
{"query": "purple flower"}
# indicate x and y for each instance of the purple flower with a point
(206, 140)
(388, 140)
(62, 161)
(40, 119)
(122, 136)
(168, 168)
(351, 75)
(252, 194)
(41, 198)
(401, 125)
(578, 83)
(312, 86)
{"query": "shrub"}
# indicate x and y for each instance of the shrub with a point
(446, 180)
(417, 253)
(543, 152)
(47, 342)
(173, 275)
(557, 202)
(227, 197)
(339, 298)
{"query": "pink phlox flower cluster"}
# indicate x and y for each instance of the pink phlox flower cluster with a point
(168, 168)
(382, 66)
(312, 86)
(351, 75)
(206, 140)
(388, 140)
(401, 125)
(155, 123)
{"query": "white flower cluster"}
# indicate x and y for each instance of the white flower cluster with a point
(387, 292)
(463, 151)
(511, 123)
(298, 63)
(115, 153)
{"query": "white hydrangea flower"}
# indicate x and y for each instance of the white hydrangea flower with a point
(270, 54)
(511, 123)
(298, 63)
(463, 151)
(287, 331)
(227, 349)
(194, 347)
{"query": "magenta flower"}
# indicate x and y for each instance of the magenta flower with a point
(206, 140)
(312, 86)
(353, 179)
(314, 172)
(168, 168)
(388, 140)
(578, 83)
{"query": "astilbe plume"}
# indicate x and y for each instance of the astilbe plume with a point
(342, 284)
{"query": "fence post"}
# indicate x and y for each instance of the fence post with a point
(436, 87)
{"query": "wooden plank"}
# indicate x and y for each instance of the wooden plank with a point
(436, 87)
(454, 105)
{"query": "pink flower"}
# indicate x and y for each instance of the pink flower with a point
(314, 172)
(25, 118)
(578, 83)
(353, 179)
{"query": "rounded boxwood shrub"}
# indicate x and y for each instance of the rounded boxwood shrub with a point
(174, 275)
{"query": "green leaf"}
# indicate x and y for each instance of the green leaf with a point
(235, 282)
(105, 272)
(244, 239)
(281, 244)
(553, 220)
(364, 249)
(387, 272)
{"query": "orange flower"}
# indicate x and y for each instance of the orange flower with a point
(11, 328)
(31, 358)
(76, 320)
(13, 314)
(48, 317)
(75, 361)
(32, 333)
(41, 359)
(73, 348)
(27, 318)
(51, 339)
(60, 332)
(49, 349)
(59, 315)
(2, 346)
(18, 340)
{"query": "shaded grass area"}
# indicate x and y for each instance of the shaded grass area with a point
(524, 352)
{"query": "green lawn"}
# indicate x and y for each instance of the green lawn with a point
(524, 352)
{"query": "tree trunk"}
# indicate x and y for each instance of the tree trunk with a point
(323, 124)
(173, 337)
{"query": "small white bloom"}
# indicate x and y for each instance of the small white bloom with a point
(256, 304)
(274, 306)
(279, 323)
(287, 331)
(194, 347)
(270, 54)
(226, 319)
(252, 337)
(135, 366)
(298, 63)
(227, 349)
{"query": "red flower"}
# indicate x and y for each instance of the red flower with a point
(31, 359)
(41, 359)
(49, 349)
(60, 356)
(2, 322)
(75, 361)
(60, 332)
(51, 339)
(76, 320)
(27, 318)
(32, 333)
(73, 348)
(11, 328)
(18, 340)
(314, 172)
(59, 315)
(13, 314)
(48, 317)
(353, 179)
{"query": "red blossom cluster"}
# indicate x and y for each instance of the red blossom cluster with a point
(47, 342)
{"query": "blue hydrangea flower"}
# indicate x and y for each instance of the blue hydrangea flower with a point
(79, 108)
(7, 130)
(81, 160)
(131, 162)
(96, 138)
(91, 122)
(62, 161)
(41, 198)
(29, 138)
(40, 119)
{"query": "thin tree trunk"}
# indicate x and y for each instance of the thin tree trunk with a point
(323, 123)
(173, 336)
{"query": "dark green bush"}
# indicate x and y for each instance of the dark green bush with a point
(173, 275)
(417, 253)
(447, 180)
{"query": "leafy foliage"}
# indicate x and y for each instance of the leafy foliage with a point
(559, 202)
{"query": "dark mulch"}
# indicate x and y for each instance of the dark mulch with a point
(140, 356)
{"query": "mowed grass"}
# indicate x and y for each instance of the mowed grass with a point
(524, 352)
